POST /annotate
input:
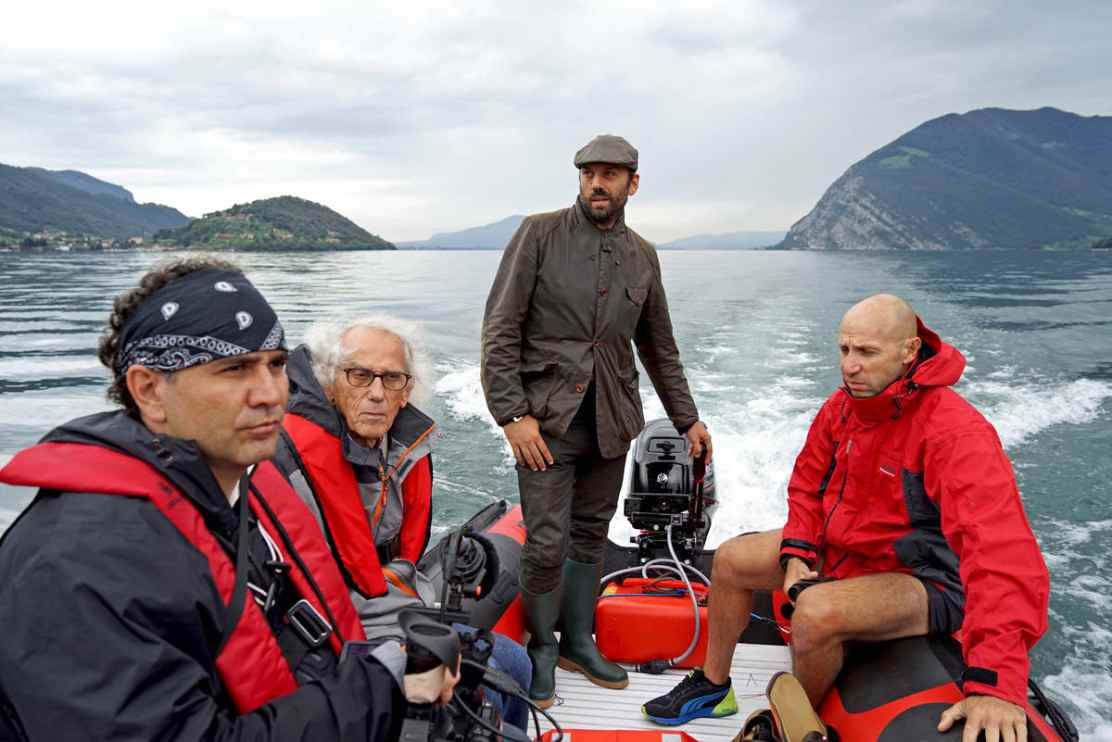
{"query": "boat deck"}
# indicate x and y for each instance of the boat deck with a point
(582, 705)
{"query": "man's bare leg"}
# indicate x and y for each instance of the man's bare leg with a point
(741, 565)
(870, 608)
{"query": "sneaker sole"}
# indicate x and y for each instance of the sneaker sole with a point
(795, 719)
(566, 664)
(675, 721)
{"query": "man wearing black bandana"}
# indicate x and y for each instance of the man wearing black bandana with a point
(166, 583)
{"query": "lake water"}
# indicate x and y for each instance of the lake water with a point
(756, 330)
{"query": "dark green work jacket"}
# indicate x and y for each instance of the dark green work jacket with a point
(566, 302)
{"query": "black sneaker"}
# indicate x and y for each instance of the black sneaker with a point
(695, 697)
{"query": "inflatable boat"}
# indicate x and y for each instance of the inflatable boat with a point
(651, 617)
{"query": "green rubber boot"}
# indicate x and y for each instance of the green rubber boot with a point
(578, 651)
(541, 612)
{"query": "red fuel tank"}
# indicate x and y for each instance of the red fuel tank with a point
(639, 620)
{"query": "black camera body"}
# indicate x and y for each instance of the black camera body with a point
(430, 723)
(668, 488)
(468, 566)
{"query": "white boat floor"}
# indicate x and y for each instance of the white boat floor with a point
(582, 705)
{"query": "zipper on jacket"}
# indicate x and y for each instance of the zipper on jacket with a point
(837, 502)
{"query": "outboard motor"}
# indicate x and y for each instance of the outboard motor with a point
(669, 488)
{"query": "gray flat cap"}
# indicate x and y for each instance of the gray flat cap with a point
(610, 149)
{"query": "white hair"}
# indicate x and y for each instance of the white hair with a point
(325, 342)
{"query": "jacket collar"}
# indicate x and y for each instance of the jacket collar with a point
(939, 364)
(177, 459)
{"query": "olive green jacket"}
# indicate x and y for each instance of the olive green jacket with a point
(566, 302)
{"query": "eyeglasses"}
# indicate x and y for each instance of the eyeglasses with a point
(395, 381)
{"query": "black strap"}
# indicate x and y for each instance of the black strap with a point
(296, 558)
(239, 592)
(1050, 710)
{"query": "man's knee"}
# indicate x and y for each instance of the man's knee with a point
(816, 621)
(541, 562)
(747, 562)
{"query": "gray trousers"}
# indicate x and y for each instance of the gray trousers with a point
(568, 506)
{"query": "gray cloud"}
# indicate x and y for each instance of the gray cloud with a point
(412, 121)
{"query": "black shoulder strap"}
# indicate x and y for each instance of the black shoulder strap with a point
(239, 592)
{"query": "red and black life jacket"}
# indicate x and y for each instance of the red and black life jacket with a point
(251, 663)
(321, 455)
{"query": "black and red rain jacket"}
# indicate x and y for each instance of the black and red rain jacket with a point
(115, 603)
(915, 480)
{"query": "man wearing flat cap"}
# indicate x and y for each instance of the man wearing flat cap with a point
(575, 286)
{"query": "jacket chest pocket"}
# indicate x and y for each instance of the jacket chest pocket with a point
(630, 305)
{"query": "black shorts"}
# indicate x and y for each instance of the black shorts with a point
(945, 608)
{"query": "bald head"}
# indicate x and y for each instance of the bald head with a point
(878, 341)
(883, 315)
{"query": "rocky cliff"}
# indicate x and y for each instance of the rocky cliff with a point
(990, 178)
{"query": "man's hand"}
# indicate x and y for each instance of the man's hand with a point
(432, 686)
(797, 570)
(528, 445)
(699, 436)
(1000, 720)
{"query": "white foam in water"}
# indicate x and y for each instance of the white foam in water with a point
(461, 389)
(1021, 411)
(462, 392)
(1087, 684)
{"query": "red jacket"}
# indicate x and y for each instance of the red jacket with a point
(320, 458)
(915, 480)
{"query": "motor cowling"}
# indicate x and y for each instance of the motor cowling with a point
(668, 488)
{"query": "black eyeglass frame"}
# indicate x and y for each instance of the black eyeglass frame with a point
(377, 375)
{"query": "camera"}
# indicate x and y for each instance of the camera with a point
(430, 644)
(468, 568)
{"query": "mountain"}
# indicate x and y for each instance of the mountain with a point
(987, 178)
(282, 223)
(33, 200)
(485, 237)
(724, 241)
(84, 182)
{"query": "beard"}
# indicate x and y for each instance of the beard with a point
(607, 213)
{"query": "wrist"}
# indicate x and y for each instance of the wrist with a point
(787, 559)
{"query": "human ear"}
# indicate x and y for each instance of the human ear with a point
(913, 346)
(148, 389)
(634, 181)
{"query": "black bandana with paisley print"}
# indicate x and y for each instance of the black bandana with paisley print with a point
(198, 318)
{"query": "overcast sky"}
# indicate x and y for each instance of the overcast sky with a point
(413, 118)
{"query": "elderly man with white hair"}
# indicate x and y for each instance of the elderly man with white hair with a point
(359, 454)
